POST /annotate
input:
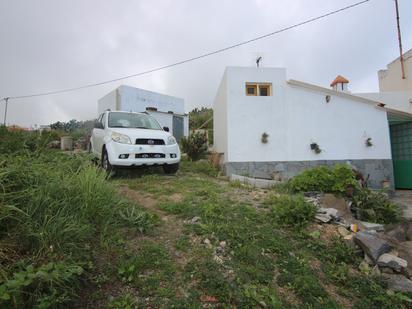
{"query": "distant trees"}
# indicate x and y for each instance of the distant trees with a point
(73, 126)
(198, 117)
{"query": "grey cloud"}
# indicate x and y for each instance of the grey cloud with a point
(49, 45)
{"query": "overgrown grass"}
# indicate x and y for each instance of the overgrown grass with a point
(270, 259)
(54, 209)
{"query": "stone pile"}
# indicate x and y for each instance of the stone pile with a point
(387, 250)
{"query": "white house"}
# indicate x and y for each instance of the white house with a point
(266, 126)
(169, 111)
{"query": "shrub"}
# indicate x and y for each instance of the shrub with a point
(324, 179)
(374, 207)
(46, 286)
(195, 146)
(292, 210)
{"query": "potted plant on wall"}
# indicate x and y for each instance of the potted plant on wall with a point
(315, 147)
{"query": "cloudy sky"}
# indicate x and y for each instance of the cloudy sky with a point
(48, 45)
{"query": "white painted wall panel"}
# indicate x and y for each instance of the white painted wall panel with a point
(294, 117)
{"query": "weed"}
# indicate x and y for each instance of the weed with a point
(123, 302)
(195, 146)
(375, 207)
(324, 179)
(293, 210)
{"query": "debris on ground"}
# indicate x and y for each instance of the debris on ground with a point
(387, 250)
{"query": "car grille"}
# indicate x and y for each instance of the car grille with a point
(149, 141)
(150, 155)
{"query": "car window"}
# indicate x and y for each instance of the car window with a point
(133, 120)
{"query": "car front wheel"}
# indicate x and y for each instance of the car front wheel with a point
(105, 162)
(171, 168)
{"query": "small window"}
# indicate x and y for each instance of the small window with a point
(264, 91)
(251, 90)
(257, 89)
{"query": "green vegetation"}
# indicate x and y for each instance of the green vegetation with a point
(375, 207)
(324, 179)
(202, 119)
(56, 212)
(195, 146)
(269, 258)
(368, 205)
(292, 210)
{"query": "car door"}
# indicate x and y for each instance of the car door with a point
(98, 135)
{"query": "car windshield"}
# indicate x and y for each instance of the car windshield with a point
(132, 120)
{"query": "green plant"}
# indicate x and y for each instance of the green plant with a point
(368, 142)
(293, 210)
(136, 217)
(315, 147)
(195, 146)
(46, 286)
(264, 138)
(374, 206)
(123, 302)
(324, 179)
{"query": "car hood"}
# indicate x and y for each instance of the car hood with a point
(142, 133)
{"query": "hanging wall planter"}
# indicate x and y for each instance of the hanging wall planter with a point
(315, 147)
(368, 142)
(264, 138)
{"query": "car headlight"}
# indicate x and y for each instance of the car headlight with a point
(120, 138)
(171, 140)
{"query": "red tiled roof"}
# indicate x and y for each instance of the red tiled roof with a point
(339, 79)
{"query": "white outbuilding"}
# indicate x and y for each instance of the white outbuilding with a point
(267, 126)
(169, 111)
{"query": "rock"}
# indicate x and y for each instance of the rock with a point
(397, 231)
(332, 212)
(368, 259)
(218, 259)
(392, 261)
(342, 231)
(387, 270)
(398, 283)
(373, 226)
(195, 220)
(373, 246)
(206, 241)
(222, 244)
(375, 271)
(324, 218)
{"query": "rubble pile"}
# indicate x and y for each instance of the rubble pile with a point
(387, 250)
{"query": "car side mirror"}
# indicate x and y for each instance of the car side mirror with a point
(166, 129)
(98, 125)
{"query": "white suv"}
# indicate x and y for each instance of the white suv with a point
(126, 139)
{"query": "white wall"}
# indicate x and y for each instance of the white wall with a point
(107, 102)
(220, 120)
(391, 78)
(134, 99)
(294, 117)
(398, 100)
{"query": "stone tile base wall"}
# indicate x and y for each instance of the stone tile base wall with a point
(377, 169)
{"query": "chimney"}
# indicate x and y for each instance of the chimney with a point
(340, 83)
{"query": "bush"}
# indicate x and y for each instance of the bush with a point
(292, 210)
(374, 207)
(195, 146)
(324, 179)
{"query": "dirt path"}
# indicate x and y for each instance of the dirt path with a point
(168, 232)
